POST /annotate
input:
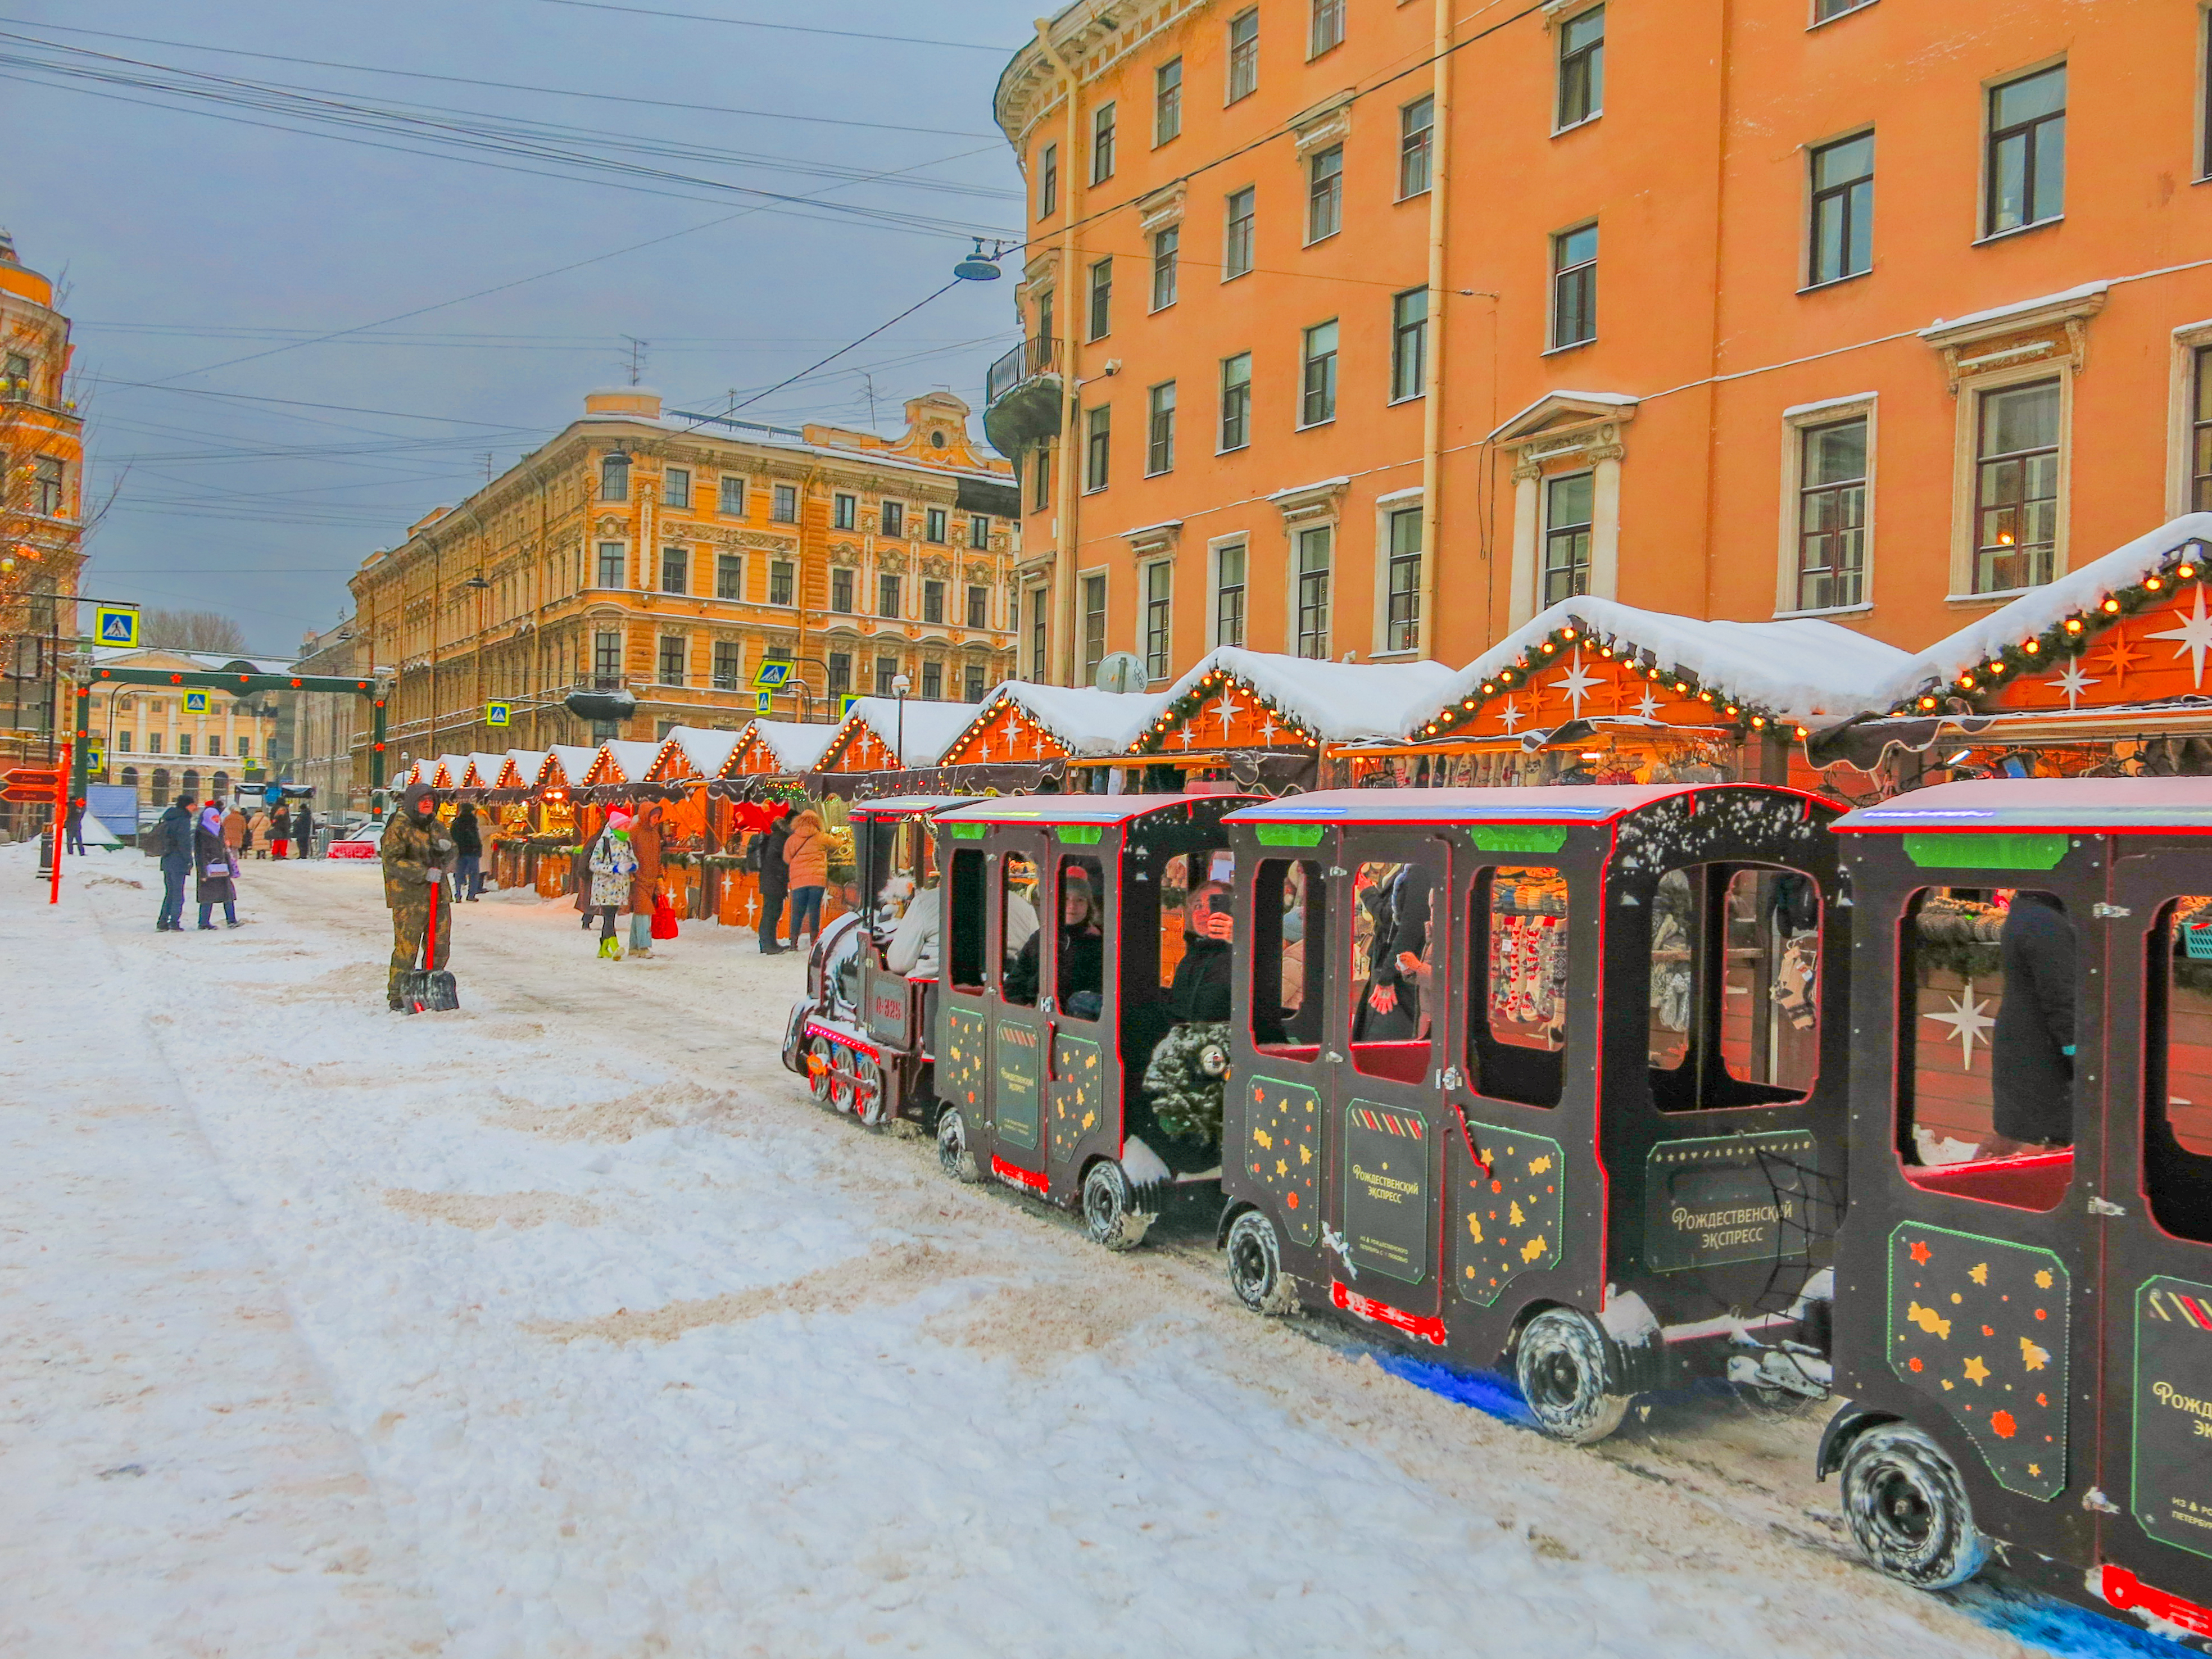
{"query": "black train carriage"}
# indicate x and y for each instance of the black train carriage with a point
(1048, 1034)
(860, 1036)
(1593, 1121)
(2025, 1275)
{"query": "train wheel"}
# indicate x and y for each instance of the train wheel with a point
(1109, 1208)
(1560, 1362)
(821, 1068)
(1255, 1266)
(952, 1154)
(867, 1091)
(1908, 1510)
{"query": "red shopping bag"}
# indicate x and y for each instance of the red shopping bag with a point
(663, 917)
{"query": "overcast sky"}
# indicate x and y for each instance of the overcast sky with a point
(205, 206)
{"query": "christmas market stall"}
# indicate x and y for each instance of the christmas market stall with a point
(565, 823)
(889, 746)
(694, 827)
(1263, 721)
(763, 778)
(520, 813)
(1024, 735)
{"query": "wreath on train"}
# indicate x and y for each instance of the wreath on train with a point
(1185, 1079)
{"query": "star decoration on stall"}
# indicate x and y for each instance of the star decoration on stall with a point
(1186, 735)
(2194, 636)
(1226, 711)
(1574, 685)
(1967, 1021)
(2073, 683)
(1648, 705)
(1267, 728)
(1510, 713)
(2119, 655)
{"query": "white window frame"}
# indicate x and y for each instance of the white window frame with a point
(721, 554)
(1214, 548)
(1145, 569)
(1387, 506)
(1555, 22)
(1796, 422)
(2181, 413)
(1966, 461)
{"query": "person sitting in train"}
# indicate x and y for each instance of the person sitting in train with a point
(912, 950)
(1200, 987)
(2032, 1049)
(1082, 954)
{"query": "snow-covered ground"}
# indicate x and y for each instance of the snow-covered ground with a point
(567, 1325)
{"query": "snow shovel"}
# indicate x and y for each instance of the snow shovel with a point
(426, 990)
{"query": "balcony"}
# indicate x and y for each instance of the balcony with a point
(1021, 396)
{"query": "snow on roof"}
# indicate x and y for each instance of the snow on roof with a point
(455, 767)
(488, 767)
(529, 765)
(1068, 809)
(930, 728)
(629, 759)
(1595, 804)
(212, 662)
(1086, 722)
(2083, 589)
(2018, 308)
(574, 760)
(679, 424)
(1813, 672)
(796, 745)
(1338, 702)
(705, 751)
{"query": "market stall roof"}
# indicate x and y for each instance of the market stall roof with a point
(524, 768)
(1232, 698)
(868, 738)
(619, 760)
(1550, 804)
(448, 771)
(1590, 657)
(692, 751)
(1020, 721)
(777, 747)
(1066, 809)
(484, 770)
(2008, 805)
(573, 761)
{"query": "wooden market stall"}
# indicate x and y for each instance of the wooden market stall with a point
(694, 827)
(1024, 737)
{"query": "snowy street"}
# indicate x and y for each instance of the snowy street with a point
(568, 1325)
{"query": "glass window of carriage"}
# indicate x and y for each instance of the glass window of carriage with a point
(1018, 899)
(2178, 1093)
(1733, 996)
(1394, 953)
(1517, 952)
(970, 907)
(1290, 956)
(1079, 970)
(1988, 985)
(1197, 933)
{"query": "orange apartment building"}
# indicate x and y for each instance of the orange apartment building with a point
(1363, 329)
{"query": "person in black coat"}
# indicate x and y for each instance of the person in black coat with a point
(212, 862)
(468, 848)
(172, 835)
(1390, 1010)
(1082, 957)
(2032, 1049)
(303, 830)
(1200, 987)
(774, 883)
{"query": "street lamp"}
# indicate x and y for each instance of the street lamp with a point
(900, 686)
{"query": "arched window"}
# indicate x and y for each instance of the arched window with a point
(222, 784)
(614, 477)
(161, 786)
(130, 777)
(192, 785)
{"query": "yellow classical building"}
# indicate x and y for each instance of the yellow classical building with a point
(671, 554)
(164, 739)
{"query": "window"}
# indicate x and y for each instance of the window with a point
(841, 590)
(1229, 594)
(613, 557)
(1574, 288)
(781, 581)
(1102, 299)
(1167, 101)
(845, 511)
(841, 673)
(1237, 244)
(729, 576)
(1039, 654)
(2027, 151)
(966, 903)
(1842, 238)
(979, 605)
(2016, 488)
(15, 375)
(933, 681)
(1236, 401)
(1098, 445)
(1048, 181)
(1017, 925)
(1402, 593)
(607, 660)
(47, 486)
(1325, 193)
(729, 665)
(1326, 31)
(679, 488)
(1409, 344)
(887, 596)
(675, 570)
(1167, 246)
(215, 747)
(154, 740)
(1040, 480)
(1159, 431)
(1317, 381)
(1392, 965)
(971, 685)
(932, 602)
(672, 659)
(1581, 68)
(892, 520)
(1734, 992)
(2178, 1132)
(786, 503)
(887, 670)
(2200, 434)
(1244, 54)
(1417, 136)
(1094, 627)
(1159, 589)
(1824, 9)
(614, 477)
(1102, 144)
(1289, 953)
(733, 504)
(979, 532)
(161, 780)
(1317, 545)
(1832, 512)
(1568, 505)
(935, 526)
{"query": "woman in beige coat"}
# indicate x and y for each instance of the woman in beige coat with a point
(806, 855)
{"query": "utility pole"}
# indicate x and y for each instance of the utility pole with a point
(637, 349)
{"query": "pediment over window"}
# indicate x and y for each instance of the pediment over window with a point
(1563, 412)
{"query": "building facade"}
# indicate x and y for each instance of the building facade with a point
(327, 728)
(671, 556)
(1370, 331)
(163, 739)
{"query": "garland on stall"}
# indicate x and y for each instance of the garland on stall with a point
(1186, 706)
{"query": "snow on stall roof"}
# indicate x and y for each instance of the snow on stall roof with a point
(574, 760)
(528, 764)
(1087, 722)
(1068, 809)
(796, 745)
(487, 766)
(1342, 702)
(1816, 673)
(455, 767)
(2081, 589)
(705, 751)
(931, 727)
(632, 758)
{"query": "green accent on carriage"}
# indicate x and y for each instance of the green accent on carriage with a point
(1080, 834)
(968, 832)
(2013, 852)
(1517, 837)
(1290, 834)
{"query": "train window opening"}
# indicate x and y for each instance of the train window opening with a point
(1080, 968)
(1734, 993)
(2178, 1115)
(1988, 984)
(1198, 933)
(1290, 956)
(1517, 950)
(965, 968)
(1394, 962)
(1018, 926)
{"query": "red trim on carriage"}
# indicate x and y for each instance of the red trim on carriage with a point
(2125, 1591)
(843, 1038)
(1381, 1313)
(2037, 1181)
(1030, 1178)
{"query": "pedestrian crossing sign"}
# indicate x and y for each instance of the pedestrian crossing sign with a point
(116, 625)
(773, 675)
(498, 714)
(196, 702)
(764, 702)
(844, 703)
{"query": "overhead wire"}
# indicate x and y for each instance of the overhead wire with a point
(789, 28)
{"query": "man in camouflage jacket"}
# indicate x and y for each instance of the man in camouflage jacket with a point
(417, 854)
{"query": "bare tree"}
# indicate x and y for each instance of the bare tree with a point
(191, 630)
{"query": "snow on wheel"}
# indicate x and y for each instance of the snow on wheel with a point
(952, 1154)
(1255, 1265)
(1908, 1510)
(867, 1091)
(1109, 1212)
(821, 1064)
(1560, 1361)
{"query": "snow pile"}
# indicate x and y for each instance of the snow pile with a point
(931, 727)
(1087, 723)
(622, 760)
(1340, 702)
